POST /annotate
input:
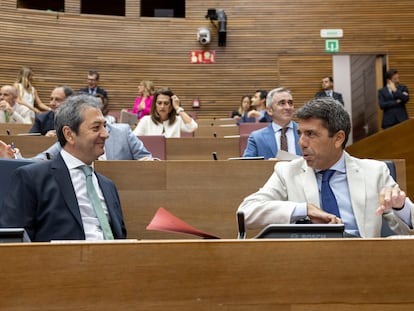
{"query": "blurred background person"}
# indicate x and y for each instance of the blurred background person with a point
(27, 93)
(105, 109)
(327, 90)
(392, 99)
(10, 110)
(166, 117)
(241, 114)
(92, 87)
(259, 111)
(142, 105)
(45, 122)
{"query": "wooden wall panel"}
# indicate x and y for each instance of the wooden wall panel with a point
(269, 44)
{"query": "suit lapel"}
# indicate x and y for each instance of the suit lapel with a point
(62, 177)
(309, 184)
(357, 191)
(269, 136)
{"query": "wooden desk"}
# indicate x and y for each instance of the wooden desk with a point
(310, 275)
(14, 128)
(201, 148)
(217, 130)
(29, 145)
(205, 194)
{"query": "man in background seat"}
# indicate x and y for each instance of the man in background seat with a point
(92, 88)
(44, 122)
(268, 141)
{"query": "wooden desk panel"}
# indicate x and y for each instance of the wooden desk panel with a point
(205, 194)
(342, 275)
(29, 145)
(14, 128)
(217, 130)
(201, 148)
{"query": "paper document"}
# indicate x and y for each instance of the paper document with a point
(165, 221)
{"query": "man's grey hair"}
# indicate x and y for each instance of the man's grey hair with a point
(70, 113)
(269, 98)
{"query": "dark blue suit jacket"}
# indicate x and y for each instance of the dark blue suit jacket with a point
(42, 200)
(394, 112)
(43, 123)
(263, 143)
(337, 96)
(99, 90)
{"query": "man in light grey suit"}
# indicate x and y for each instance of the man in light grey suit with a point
(122, 144)
(364, 190)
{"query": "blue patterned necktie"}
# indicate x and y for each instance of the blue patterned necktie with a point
(329, 203)
(96, 203)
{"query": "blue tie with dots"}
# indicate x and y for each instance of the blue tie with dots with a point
(329, 203)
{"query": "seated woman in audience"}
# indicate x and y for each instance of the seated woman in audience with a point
(241, 114)
(27, 93)
(166, 117)
(143, 102)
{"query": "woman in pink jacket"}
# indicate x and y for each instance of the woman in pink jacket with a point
(142, 104)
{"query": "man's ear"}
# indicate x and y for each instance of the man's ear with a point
(269, 111)
(69, 134)
(339, 138)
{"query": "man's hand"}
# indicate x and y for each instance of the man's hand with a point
(391, 197)
(391, 86)
(253, 113)
(6, 151)
(318, 216)
(51, 133)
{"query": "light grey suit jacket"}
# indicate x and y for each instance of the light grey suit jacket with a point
(294, 182)
(121, 144)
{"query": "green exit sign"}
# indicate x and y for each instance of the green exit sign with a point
(332, 46)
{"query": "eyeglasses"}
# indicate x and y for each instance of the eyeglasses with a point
(91, 79)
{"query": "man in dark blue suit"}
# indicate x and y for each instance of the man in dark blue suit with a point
(44, 122)
(92, 88)
(268, 141)
(392, 99)
(327, 86)
(49, 199)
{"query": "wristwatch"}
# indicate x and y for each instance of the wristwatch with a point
(179, 110)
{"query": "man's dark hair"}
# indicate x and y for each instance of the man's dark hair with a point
(263, 93)
(94, 73)
(333, 115)
(390, 73)
(155, 117)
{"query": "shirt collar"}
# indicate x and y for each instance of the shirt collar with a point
(338, 166)
(71, 161)
(277, 127)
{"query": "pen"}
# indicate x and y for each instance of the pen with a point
(12, 146)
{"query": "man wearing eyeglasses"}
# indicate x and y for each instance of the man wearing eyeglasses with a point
(92, 87)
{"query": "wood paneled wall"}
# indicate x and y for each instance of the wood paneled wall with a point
(269, 44)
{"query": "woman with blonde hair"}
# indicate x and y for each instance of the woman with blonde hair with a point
(142, 106)
(27, 93)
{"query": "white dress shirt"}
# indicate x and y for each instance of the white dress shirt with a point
(289, 135)
(91, 225)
